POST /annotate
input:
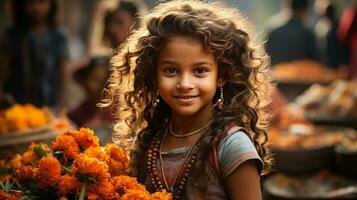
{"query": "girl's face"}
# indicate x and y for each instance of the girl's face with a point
(187, 76)
(119, 26)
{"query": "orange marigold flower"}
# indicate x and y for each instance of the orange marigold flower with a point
(26, 173)
(119, 160)
(96, 152)
(124, 183)
(15, 162)
(63, 198)
(136, 195)
(67, 145)
(30, 155)
(85, 165)
(101, 190)
(10, 196)
(68, 185)
(49, 172)
(85, 138)
(161, 196)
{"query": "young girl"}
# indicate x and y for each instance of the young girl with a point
(195, 86)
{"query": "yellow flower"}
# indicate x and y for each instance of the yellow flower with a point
(122, 184)
(136, 195)
(92, 167)
(67, 145)
(118, 162)
(68, 185)
(49, 172)
(36, 117)
(96, 152)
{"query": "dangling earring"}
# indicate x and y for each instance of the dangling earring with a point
(155, 101)
(221, 99)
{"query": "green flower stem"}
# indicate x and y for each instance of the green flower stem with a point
(83, 190)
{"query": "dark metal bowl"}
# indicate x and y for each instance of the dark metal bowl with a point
(331, 120)
(310, 159)
(303, 160)
(310, 188)
(346, 162)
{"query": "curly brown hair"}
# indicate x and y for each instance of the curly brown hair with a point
(243, 64)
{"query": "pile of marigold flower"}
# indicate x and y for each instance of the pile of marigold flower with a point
(20, 117)
(76, 167)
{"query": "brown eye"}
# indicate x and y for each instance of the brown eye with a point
(170, 71)
(200, 71)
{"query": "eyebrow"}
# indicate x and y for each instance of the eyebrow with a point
(197, 63)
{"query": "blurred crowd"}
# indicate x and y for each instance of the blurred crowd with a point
(295, 33)
(43, 64)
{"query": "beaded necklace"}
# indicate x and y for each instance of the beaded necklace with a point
(159, 182)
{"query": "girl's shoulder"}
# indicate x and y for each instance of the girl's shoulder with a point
(236, 148)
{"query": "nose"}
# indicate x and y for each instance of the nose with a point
(185, 82)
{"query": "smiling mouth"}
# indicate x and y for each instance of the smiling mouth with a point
(186, 99)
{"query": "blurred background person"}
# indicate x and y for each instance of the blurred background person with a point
(347, 34)
(278, 19)
(33, 54)
(113, 23)
(293, 41)
(92, 78)
(331, 50)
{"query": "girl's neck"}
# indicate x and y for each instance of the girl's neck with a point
(184, 124)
